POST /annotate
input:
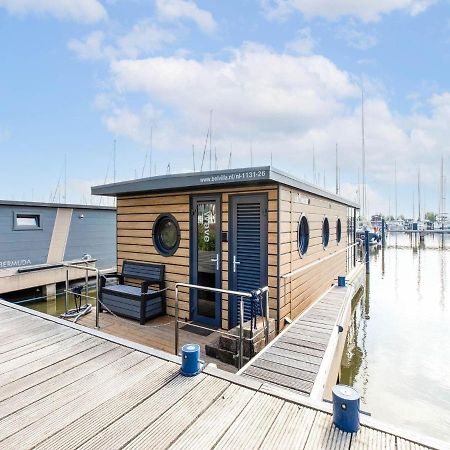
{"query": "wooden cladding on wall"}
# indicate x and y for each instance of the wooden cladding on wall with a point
(301, 290)
(288, 298)
(135, 219)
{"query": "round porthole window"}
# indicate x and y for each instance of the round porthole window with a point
(325, 232)
(166, 234)
(338, 231)
(303, 235)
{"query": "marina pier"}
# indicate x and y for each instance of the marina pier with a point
(66, 386)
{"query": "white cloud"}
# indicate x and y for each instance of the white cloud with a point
(303, 43)
(172, 10)
(91, 47)
(125, 123)
(356, 37)
(259, 89)
(84, 11)
(280, 104)
(365, 10)
(143, 39)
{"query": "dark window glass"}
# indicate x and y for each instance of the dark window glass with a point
(166, 234)
(303, 235)
(24, 221)
(325, 232)
(338, 231)
(206, 254)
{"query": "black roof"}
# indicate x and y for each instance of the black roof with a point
(20, 203)
(215, 178)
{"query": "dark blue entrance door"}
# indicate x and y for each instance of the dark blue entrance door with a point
(247, 249)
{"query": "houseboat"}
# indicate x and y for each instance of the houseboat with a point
(238, 229)
(36, 239)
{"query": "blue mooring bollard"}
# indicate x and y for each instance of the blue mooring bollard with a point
(341, 281)
(346, 408)
(190, 360)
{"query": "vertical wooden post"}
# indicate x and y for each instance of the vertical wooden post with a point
(383, 233)
(366, 250)
(97, 303)
(241, 332)
(66, 297)
(176, 320)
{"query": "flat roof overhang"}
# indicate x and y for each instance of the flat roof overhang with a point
(216, 178)
(24, 204)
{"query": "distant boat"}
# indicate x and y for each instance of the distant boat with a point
(374, 233)
(396, 225)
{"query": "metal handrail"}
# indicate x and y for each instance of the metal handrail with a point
(301, 269)
(241, 294)
(97, 276)
(315, 263)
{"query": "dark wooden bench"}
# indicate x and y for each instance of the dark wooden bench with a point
(136, 302)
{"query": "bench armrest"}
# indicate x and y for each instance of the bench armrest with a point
(104, 278)
(146, 284)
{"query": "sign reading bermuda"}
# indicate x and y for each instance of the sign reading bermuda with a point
(14, 263)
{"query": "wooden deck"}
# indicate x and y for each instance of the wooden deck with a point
(158, 333)
(66, 386)
(302, 356)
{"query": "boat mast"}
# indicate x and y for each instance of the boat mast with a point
(337, 171)
(363, 155)
(210, 139)
(314, 166)
(358, 192)
(442, 195)
(65, 178)
(395, 187)
(151, 151)
(114, 162)
(418, 194)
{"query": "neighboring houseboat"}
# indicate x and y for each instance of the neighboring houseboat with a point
(237, 229)
(37, 238)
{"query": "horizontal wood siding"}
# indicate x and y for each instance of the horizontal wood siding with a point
(135, 219)
(300, 291)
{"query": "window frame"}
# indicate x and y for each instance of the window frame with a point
(325, 245)
(157, 243)
(338, 227)
(25, 214)
(300, 252)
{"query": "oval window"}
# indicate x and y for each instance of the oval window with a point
(325, 232)
(303, 235)
(166, 234)
(338, 231)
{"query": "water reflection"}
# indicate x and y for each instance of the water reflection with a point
(398, 346)
(56, 306)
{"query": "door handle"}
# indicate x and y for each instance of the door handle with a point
(235, 263)
(216, 260)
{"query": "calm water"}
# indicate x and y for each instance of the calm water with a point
(398, 348)
(56, 307)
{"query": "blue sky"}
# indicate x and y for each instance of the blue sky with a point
(281, 76)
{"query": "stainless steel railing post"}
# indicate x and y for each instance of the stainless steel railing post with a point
(241, 331)
(176, 319)
(66, 298)
(86, 282)
(267, 317)
(97, 310)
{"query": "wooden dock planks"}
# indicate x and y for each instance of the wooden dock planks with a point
(294, 358)
(102, 393)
